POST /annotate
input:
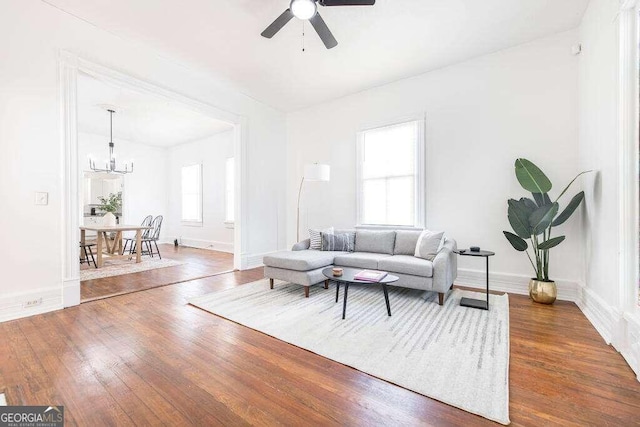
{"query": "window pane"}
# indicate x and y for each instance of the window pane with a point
(389, 151)
(400, 201)
(374, 201)
(192, 193)
(389, 174)
(230, 190)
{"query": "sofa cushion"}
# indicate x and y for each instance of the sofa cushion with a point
(359, 260)
(407, 264)
(406, 242)
(300, 260)
(380, 242)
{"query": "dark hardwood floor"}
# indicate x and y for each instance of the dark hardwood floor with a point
(200, 263)
(149, 358)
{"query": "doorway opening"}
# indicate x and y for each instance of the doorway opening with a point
(177, 208)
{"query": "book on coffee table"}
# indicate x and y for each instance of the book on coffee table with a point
(370, 275)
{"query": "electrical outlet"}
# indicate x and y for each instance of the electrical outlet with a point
(42, 198)
(32, 303)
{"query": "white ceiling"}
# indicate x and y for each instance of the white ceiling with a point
(139, 117)
(377, 45)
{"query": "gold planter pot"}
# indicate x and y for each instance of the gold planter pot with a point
(542, 291)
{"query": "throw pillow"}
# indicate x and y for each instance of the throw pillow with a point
(315, 238)
(406, 242)
(428, 245)
(338, 242)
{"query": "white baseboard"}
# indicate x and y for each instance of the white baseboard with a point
(599, 313)
(511, 283)
(12, 306)
(71, 292)
(631, 346)
(207, 244)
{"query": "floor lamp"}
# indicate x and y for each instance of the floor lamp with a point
(312, 172)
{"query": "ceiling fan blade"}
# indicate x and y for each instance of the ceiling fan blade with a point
(277, 25)
(347, 2)
(323, 31)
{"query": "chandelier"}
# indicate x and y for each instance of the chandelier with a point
(110, 165)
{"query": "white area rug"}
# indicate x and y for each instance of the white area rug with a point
(3, 400)
(454, 354)
(127, 267)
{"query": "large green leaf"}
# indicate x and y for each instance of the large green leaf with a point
(551, 243)
(541, 199)
(541, 218)
(517, 243)
(518, 214)
(568, 211)
(531, 178)
(529, 204)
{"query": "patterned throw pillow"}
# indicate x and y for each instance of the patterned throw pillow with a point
(345, 242)
(315, 237)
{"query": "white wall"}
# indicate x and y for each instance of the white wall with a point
(32, 151)
(598, 146)
(481, 115)
(605, 286)
(145, 191)
(212, 153)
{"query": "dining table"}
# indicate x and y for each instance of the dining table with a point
(112, 248)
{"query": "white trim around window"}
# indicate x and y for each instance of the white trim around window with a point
(419, 214)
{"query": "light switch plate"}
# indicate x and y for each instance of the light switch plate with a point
(42, 198)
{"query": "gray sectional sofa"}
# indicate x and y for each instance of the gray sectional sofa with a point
(391, 251)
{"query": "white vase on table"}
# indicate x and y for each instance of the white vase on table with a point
(109, 220)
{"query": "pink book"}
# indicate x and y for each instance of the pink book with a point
(370, 276)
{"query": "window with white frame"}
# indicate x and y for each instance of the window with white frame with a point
(391, 175)
(230, 183)
(192, 194)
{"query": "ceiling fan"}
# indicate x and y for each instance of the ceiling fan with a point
(308, 10)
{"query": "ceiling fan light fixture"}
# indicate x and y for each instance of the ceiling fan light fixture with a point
(303, 9)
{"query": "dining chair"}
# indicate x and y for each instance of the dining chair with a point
(153, 237)
(146, 222)
(88, 252)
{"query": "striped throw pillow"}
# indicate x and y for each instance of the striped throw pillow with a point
(315, 236)
(345, 242)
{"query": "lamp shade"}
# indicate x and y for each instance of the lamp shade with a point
(316, 172)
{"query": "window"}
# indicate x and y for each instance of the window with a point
(391, 175)
(192, 194)
(230, 187)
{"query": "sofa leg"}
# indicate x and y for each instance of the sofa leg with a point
(306, 291)
(440, 298)
(326, 284)
(271, 283)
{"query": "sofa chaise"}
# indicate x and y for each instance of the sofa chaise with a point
(389, 250)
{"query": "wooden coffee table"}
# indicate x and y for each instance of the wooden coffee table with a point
(348, 278)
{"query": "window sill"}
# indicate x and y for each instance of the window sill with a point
(191, 223)
(388, 227)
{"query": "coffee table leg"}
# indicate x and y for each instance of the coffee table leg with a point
(386, 299)
(337, 290)
(344, 305)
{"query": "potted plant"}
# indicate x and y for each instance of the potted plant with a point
(111, 204)
(533, 220)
